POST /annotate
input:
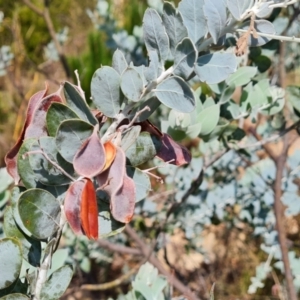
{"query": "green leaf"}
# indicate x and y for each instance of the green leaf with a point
(215, 13)
(144, 149)
(70, 136)
(184, 58)
(108, 226)
(15, 195)
(263, 63)
(175, 93)
(242, 76)
(155, 35)
(227, 93)
(119, 62)
(153, 103)
(39, 212)
(46, 172)
(5, 180)
(258, 95)
(76, 103)
(141, 180)
(216, 67)
(129, 136)
(149, 283)
(154, 69)
(15, 296)
(27, 175)
(105, 89)
(56, 114)
(238, 7)
(10, 261)
(208, 118)
(132, 84)
(173, 23)
(193, 18)
(31, 248)
(57, 284)
(278, 101)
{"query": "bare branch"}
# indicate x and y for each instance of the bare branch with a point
(34, 8)
(46, 15)
(111, 284)
(270, 139)
(157, 264)
(279, 214)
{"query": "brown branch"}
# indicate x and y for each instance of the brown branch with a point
(280, 161)
(279, 214)
(266, 147)
(118, 248)
(46, 15)
(157, 264)
(111, 284)
(262, 142)
(34, 8)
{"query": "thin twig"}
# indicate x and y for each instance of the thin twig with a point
(279, 214)
(46, 15)
(273, 36)
(157, 264)
(34, 8)
(50, 161)
(118, 248)
(271, 138)
(112, 284)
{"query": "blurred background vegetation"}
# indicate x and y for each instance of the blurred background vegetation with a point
(87, 40)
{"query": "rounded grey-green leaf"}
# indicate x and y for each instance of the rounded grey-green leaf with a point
(27, 175)
(129, 136)
(39, 212)
(107, 225)
(193, 18)
(15, 195)
(153, 103)
(208, 118)
(119, 62)
(10, 261)
(184, 58)
(56, 114)
(216, 67)
(31, 248)
(227, 93)
(44, 170)
(141, 181)
(57, 283)
(238, 7)
(215, 14)
(175, 93)
(155, 35)
(278, 100)
(242, 76)
(15, 296)
(77, 103)
(173, 22)
(132, 84)
(71, 134)
(105, 89)
(144, 149)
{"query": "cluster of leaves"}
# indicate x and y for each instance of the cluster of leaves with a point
(72, 163)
